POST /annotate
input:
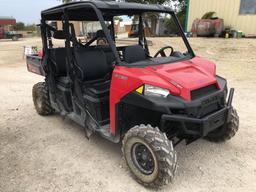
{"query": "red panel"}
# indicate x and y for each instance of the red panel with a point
(1, 32)
(179, 78)
(7, 22)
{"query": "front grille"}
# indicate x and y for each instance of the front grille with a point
(209, 109)
(195, 94)
(202, 107)
(202, 111)
(206, 107)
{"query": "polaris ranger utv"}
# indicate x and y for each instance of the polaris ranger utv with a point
(121, 92)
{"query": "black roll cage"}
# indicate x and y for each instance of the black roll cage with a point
(110, 37)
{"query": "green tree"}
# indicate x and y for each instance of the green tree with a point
(179, 7)
(19, 26)
(160, 2)
(30, 27)
(118, 18)
(65, 1)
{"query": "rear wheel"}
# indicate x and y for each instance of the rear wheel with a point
(41, 99)
(149, 155)
(15, 38)
(227, 131)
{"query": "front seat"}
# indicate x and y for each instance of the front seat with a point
(58, 56)
(91, 64)
(93, 71)
(134, 53)
(101, 38)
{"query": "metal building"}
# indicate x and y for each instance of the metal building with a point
(237, 14)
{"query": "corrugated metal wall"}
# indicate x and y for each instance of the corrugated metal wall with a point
(226, 9)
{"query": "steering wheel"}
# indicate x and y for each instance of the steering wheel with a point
(162, 51)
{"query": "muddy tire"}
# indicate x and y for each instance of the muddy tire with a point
(150, 156)
(15, 38)
(227, 131)
(41, 99)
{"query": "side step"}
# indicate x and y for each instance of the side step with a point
(105, 132)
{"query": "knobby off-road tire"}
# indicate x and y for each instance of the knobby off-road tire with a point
(41, 99)
(15, 38)
(162, 155)
(227, 131)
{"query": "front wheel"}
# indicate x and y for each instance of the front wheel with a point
(15, 38)
(226, 131)
(149, 155)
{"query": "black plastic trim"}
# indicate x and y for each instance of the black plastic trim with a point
(166, 106)
(171, 102)
(205, 125)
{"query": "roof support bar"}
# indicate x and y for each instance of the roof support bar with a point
(107, 33)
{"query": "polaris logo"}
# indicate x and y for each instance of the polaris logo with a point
(120, 76)
(210, 100)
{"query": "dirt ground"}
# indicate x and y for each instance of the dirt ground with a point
(52, 154)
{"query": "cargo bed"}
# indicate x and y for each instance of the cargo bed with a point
(34, 64)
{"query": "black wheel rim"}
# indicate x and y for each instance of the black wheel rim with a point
(143, 158)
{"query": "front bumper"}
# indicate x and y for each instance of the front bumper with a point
(200, 127)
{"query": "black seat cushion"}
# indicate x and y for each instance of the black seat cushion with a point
(134, 54)
(109, 54)
(58, 56)
(91, 64)
(97, 90)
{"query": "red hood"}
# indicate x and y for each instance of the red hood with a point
(179, 78)
(185, 76)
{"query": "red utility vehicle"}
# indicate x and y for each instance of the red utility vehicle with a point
(125, 94)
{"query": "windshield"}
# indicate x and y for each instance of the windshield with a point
(157, 33)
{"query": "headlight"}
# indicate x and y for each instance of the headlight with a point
(150, 90)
